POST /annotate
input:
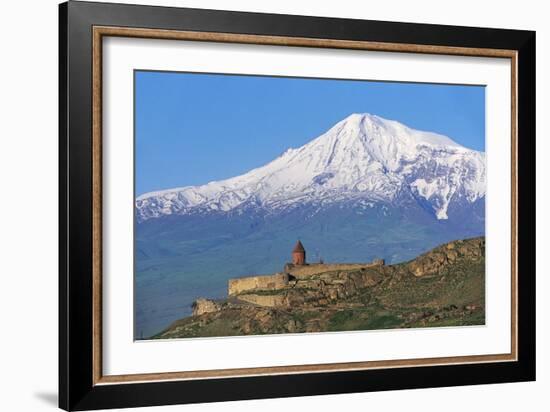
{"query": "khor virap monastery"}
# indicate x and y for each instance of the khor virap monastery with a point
(299, 268)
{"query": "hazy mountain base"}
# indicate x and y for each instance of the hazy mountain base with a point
(180, 258)
(444, 287)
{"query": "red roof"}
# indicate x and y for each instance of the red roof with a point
(298, 248)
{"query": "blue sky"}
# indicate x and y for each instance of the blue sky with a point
(194, 128)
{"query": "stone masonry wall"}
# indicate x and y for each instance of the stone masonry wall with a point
(314, 268)
(202, 305)
(239, 285)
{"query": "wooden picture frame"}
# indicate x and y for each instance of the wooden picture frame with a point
(82, 384)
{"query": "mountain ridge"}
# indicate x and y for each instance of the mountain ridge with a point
(361, 157)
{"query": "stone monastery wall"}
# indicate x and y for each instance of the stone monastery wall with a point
(313, 268)
(280, 280)
(276, 281)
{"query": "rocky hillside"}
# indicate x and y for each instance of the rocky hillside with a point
(444, 287)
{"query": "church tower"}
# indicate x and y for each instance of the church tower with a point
(299, 254)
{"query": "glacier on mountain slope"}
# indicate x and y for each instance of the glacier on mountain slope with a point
(363, 157)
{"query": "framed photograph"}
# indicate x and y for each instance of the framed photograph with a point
(256, 205)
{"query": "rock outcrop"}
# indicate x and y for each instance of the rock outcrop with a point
(438, 258)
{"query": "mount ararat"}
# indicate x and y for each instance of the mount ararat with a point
(367, 188)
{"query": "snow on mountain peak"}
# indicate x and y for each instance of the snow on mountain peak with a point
(362, 156)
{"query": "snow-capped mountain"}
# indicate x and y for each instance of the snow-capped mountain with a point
(363, 158)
